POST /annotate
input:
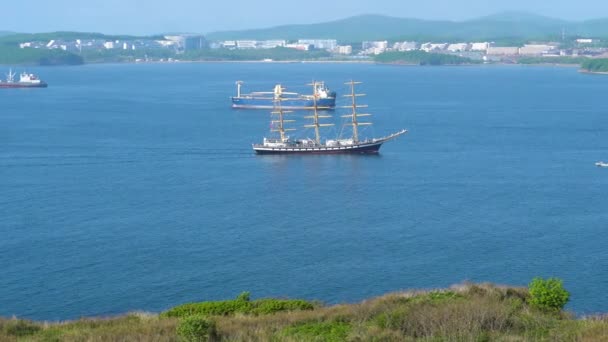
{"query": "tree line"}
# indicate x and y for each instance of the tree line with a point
(595, 65)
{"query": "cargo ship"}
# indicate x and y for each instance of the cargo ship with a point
(325, 98)
(26, 80)
(283, 144)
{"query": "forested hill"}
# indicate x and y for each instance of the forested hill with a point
(12, 54)
(595, 65)
(512, 25)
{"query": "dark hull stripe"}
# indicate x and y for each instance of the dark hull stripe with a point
(365, 149)
(268, 103)
(272, 107)
(14, 85)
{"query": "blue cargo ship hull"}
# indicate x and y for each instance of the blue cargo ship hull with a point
(286, 103)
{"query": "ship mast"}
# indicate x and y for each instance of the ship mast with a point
(354, 115)
(10, 77)
(278, 110)
(315, 123)
(238, 88)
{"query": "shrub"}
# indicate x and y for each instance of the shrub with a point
(270, 306)
(241, 304)
(436, 297)
(196, 328)
(319, 331)
(220, 308)
(19, 328)
(548, 294)
(244, 296)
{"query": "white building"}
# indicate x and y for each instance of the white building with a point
(480, 46)
(503, 51)
(374, 47)
(379, 44)
(246, 44)
(186, 42)
(322, 44)
(271, 44)
(108, 45)
(459, 47)
(405, 46)
(229, 44)
(302, 47)
(537, 49)
(429, 47)
(166, 43)
(344, 49)
(585, 41)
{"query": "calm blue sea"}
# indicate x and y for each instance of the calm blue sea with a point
(134, 187)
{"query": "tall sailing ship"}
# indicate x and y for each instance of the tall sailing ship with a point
(353, 145)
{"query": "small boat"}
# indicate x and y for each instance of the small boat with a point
(26, 80)
(601, 164)
(283, 144)
(326, 99)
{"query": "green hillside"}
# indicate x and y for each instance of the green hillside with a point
(595, 65)
(16, 38)
(462, 313)
(10, 53)
(366, 27)
(507, 25)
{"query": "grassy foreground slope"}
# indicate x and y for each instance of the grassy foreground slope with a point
(462, 313)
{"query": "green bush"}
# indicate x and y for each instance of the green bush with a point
(242, 304)
(220, 308)
(270, 306)
(19, 328)
(436, 297)
(548, 294)
(196, 328)
(244, 296)
(319, 331)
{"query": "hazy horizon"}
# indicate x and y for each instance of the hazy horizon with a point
(115, 16)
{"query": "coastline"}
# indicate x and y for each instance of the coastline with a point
(461, 312)
(585, 71)
(407, 64)
(498, 64)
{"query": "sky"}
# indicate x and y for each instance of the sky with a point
(204, 16)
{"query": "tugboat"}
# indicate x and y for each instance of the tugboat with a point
(265, 100)
(285, 145)
(26, 80)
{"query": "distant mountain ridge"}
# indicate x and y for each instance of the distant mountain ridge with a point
(505, 25)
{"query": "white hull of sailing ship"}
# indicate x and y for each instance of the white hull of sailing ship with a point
(275, 146)
(285, 145)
